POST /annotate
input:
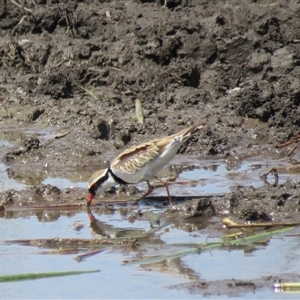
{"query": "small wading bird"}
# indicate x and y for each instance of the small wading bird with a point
(140, 163)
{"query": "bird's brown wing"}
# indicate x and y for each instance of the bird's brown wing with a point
(135, 158)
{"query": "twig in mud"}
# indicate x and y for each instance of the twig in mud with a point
(293, 149)
(108, 15)
(68, 24)
(268, 5)
(139, 111)
(88, 92)
(21, 6)
(81, 257)
(259, 225)
(274, 172)
(291, 141)
(20, 22)
(62, 134)
(67, 242)
(228, 222)
(58, 64)
(285, 144)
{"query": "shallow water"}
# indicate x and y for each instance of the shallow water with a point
(160, 280)
(166, 279)
(211, 177)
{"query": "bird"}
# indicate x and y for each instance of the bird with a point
(140, 163)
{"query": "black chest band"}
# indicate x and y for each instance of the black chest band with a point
(116, 178)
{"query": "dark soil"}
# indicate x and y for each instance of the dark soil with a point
(79, 66)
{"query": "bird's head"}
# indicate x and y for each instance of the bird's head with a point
(99, 182)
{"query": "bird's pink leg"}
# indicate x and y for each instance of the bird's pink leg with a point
(150, 190)
(165, 183)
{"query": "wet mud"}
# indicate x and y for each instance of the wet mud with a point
(76, 70)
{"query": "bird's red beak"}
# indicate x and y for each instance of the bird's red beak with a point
(89, 199)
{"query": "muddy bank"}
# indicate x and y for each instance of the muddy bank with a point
(75, 70)
(268, 203)
(185, 61)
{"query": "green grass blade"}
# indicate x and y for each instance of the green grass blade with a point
(208, 247)
(90, 93)
(30, 276)
(158, 258)
(286, 285)
(257, 237)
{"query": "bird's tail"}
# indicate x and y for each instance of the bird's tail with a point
(187, 132)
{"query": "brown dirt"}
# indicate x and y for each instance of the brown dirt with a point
(235, 63)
